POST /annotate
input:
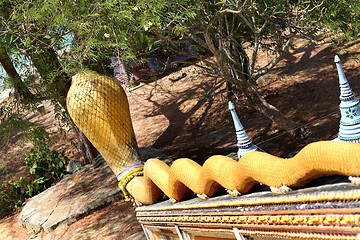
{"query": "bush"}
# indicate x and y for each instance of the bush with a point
(8, 199)
(46, 167)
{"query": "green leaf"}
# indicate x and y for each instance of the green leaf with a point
(278, 12)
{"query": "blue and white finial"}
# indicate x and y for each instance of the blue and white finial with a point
(349, 108)
(244, 143)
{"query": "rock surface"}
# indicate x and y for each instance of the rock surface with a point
(117, 221)
(76, 196)
(137, 236)
(74, 166)
(72, 198)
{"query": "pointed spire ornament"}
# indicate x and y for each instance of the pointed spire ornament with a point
(349, 108)
(244, 142)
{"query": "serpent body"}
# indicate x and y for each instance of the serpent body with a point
(99, 107)
(315, 160)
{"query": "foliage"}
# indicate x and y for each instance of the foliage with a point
(131, 31)
(91, 33)
(8, 198)
(13, 194)
(339, 16)
(134, 30)
(46, 167)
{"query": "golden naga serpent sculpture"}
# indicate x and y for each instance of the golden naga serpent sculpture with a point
(98, 106)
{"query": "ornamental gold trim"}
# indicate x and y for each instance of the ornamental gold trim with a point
(265, 233)
(276, 220)
(286, 199)
(267, 212)
(280, 234)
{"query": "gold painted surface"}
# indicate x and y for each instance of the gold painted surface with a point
(270, 212)
(281, 234)
(304, 233)
(316, 159)
(299, 235)
(99, 107)
(285, 199)
(332, 223)
(211, 238)
(296, 220)
(270, 233)
(161, 235)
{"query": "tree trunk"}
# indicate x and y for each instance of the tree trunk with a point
(20, 88)
(234, 64)
(261, 105)
(51, 70)
(87, 148)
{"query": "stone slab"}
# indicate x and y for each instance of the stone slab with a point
(74, 197)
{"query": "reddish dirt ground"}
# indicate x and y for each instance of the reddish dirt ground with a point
(189, 118)
(102, 224)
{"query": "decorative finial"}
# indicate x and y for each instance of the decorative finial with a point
(244, 143)
(349, 108)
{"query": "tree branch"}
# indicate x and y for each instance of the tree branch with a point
(225, 11)
(276, 59)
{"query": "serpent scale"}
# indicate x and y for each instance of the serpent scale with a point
(99, 107)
